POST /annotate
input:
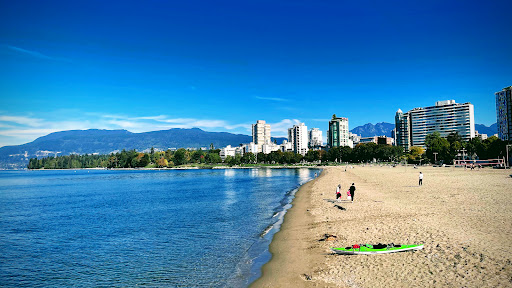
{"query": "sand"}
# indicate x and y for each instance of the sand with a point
(463, 217)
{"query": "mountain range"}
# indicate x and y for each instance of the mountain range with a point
(491, 130)
(106, 141)
(369, 130)
(384, 129)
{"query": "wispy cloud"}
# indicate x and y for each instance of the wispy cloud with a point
(34, 53)
(28, 52)
(15, 130)
(32, 122)
(280, 128)
(271, 98)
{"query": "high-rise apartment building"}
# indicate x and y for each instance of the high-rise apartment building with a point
(315, 138)
(402, 133)
(337, 135)
(261, 133)
(504, 113)
(445, 117)
(298, 137)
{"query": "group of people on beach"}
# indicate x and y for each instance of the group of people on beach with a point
(350, 193)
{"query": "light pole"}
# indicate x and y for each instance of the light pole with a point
(508, 159)
(435, 157)
(463, 154)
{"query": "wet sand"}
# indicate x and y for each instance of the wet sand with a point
(463, 217)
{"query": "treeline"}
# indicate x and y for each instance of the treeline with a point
(445, 150)
(128, 159)
(439, 149)
(160, 159)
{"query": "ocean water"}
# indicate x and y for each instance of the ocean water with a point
(180, 228)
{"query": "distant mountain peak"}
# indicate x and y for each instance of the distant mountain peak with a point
(105, 141)
(491, 130)
(369, 129)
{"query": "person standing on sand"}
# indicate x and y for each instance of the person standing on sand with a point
(338, 193)
(352, 190)
(421, 179)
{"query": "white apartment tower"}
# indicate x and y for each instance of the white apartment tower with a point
(298, 137)
(261, 133)
(445, 117)
(315, 138)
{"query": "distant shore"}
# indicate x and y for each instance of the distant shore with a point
(463, 217)
(191, 168)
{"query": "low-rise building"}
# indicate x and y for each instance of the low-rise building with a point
(286, 146)
(353, 139)
(481, 136)
(250, 148)
(268, 148)
(227, 151)
(380, 140)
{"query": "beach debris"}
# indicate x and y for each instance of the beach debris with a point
(329, 237)
(307, 277)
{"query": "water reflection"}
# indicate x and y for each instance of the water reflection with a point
(304, 174)
(229, 173)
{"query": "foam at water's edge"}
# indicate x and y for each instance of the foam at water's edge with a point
(268, 233)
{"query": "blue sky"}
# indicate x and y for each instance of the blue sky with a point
(222, 65)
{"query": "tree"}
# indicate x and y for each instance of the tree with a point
(181, 156)
(248, 158)
(162, 162)
(213, 158)
(436, 144)
(365, 152)
(112, 161)
(144, 161)
(312, 156)
(415, 154)
(288, 158)
(275, 157)
(262, 158)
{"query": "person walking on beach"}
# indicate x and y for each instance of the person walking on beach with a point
(421, 179)
(338, 193)
(352, 190)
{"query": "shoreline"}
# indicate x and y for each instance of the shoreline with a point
(176, 168)
(463, 217)
(281, 270)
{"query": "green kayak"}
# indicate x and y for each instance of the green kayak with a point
(366, 249)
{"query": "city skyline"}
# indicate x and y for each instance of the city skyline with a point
(219, 66)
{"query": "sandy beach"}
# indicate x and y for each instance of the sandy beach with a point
(463, 217)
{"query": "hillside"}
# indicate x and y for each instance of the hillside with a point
(379, 129)
(491, 130)
(107, 141)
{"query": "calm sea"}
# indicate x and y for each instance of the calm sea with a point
(180, 228)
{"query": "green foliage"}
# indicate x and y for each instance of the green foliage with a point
(449, 148)
(248, 158)
(415, 154)
(436, 144)
(127, 159)
(490, 148)
(181, 156)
